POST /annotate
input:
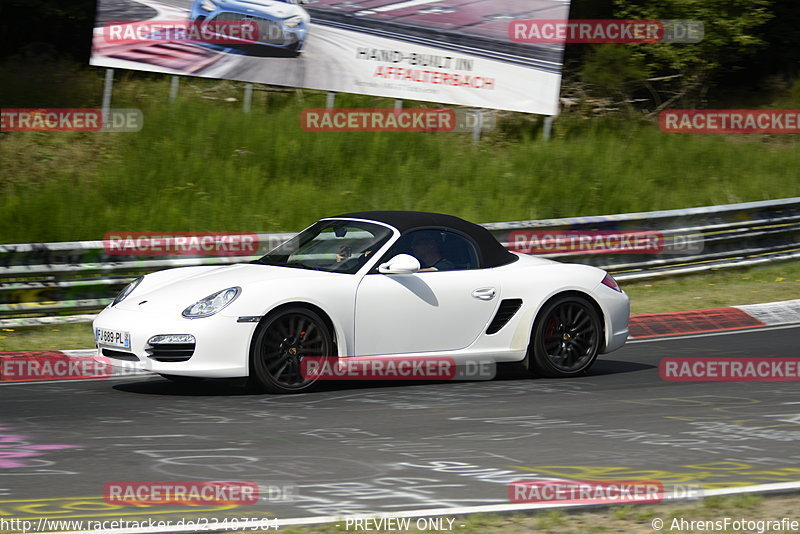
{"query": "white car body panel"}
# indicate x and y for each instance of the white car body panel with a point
(422, 312)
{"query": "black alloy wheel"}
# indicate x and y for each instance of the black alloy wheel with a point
(279, 346)
(566, 338)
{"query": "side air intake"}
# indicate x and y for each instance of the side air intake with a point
(505, 312)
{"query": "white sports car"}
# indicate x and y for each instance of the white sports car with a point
(389, 283)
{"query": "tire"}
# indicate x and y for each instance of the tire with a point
(183, 379)
(566, 338)
(279, 345)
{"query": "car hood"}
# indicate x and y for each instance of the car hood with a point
(278, 10)
(176, 289)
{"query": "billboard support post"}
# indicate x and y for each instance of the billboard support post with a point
(331, 101)
(476, 130)
(548, 127)
(248, 97)
(398, 104)
(108, 87)
(173, 88)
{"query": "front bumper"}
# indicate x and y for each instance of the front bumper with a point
(616, 308)
(221, 349)
(272, 33)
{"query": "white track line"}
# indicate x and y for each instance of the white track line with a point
(494, 508)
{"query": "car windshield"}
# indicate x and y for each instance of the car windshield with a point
(333, 245)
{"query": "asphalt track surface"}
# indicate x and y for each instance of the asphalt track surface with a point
(362, 447)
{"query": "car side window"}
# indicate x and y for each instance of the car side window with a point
(438, 250)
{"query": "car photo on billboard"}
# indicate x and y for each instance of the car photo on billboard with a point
(281, 25)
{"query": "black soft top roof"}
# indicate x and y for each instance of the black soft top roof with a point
(493, 254)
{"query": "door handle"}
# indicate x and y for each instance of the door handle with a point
(484, 293)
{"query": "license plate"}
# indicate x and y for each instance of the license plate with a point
(113, 338)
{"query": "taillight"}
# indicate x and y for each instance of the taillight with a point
(610, 282)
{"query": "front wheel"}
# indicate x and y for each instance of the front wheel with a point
(279, 346)
(566, 338)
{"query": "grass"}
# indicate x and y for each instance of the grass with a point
(715, 289)
(202, 164)
(708, 290)
(51, 337)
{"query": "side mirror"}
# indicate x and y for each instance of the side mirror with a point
(400, 264)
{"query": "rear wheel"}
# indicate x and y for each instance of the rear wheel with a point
(279, 346)
(566, 338)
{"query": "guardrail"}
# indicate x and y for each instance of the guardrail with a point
(44, 283)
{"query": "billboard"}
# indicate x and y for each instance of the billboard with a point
(454, 52)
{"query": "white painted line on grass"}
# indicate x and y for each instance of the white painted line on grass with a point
(465, 510)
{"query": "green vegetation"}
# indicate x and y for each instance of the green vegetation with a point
(50, 337)
(733, 34)
(714, 289)
(203, 164)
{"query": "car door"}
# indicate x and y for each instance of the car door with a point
(425, 311)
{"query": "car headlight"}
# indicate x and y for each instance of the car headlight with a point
(212, 304)
(127, 290)
(294, 22)
(208, 5)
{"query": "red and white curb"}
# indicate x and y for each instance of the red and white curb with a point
(774, 313)
(654, 325)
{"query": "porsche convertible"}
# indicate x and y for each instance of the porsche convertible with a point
(388, 284)
(282, 24)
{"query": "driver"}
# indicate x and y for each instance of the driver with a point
(428, 250)
(344, 253)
